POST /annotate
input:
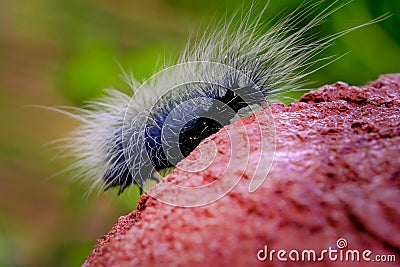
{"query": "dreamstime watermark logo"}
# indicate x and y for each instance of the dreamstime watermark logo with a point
(340, 253)
(187, 100)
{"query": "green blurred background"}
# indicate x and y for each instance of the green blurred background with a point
(63, 52)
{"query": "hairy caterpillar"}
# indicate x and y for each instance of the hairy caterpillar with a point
(124, 139)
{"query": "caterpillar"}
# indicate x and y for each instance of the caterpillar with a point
(126, 139)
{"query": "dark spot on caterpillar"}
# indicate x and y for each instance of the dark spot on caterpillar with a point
(167, 143)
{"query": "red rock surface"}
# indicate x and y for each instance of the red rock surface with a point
(336, 174)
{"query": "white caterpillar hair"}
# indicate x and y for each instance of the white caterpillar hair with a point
(124, 139)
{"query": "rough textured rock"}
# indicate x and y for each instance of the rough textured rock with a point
(336, 174)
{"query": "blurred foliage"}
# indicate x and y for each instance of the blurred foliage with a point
(64, 52)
